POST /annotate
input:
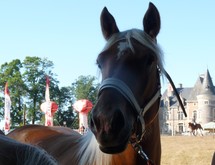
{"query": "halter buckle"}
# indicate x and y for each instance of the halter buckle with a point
(138, 148)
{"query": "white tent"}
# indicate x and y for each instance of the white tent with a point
(210, 125)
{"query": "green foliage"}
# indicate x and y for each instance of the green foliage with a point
(11, 73)
(85, 88)
(35, 71)
(64, 113)
(26, 82)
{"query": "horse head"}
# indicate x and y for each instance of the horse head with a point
(129, 95)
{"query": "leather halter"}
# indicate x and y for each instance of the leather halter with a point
(121, 87)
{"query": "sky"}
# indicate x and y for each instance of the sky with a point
(68, 33)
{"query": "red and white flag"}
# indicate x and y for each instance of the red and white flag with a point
(7, 107)
(48, 114)
(48, 107)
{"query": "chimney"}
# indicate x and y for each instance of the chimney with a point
(169, 90)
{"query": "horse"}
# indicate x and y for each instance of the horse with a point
(13, 152)
(195, 127)
(124, 123)
(70, 147)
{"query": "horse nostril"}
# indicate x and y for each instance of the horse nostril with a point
(118, 121)
(94, 124)
(110, 123)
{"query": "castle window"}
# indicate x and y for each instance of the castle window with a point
(213, 115)
(206, 102)
(166, 104)
(167, 115)
(180, 127)
(194, 116)
(180, 115)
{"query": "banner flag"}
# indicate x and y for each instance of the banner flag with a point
(48, 107)
(7, 109)
(48, 115)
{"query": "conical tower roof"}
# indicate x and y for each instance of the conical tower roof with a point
(197, 88)
(207, 86)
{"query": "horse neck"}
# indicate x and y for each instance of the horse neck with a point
(72, 149)
(86, 151)
(129, 156)
(151, 143)
(95, 155)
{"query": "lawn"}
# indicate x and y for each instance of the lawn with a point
(187, 150)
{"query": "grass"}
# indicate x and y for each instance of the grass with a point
(187, 150)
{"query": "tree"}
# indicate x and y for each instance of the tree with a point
(85, 88)
(27, 83)
(11, 73)
(34, 76)
(64, 113)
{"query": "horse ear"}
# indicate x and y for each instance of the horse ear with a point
(108, 24)
(151, 21)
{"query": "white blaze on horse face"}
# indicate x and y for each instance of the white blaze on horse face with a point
(123, 45)
(124, 41)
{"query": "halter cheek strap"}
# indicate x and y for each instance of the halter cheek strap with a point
(121, 87)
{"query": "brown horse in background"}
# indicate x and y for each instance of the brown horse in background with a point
(124, 122)
(194, 128)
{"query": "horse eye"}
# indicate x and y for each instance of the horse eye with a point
(98, 64)
(151, 60)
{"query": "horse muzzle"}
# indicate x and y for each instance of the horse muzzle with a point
(114, 149)
(111, 131)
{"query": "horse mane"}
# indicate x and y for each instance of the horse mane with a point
(35, 156)
(89, 151)
(79, 149)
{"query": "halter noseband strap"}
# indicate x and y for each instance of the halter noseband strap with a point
(121, 87)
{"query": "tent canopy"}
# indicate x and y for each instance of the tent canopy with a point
(210, 125)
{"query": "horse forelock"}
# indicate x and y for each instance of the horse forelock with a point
(124, 39)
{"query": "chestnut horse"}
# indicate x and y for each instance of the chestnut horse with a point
(13, 152)
(194, 128)
(124, 123)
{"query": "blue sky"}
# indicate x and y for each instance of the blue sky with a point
(68, 33)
